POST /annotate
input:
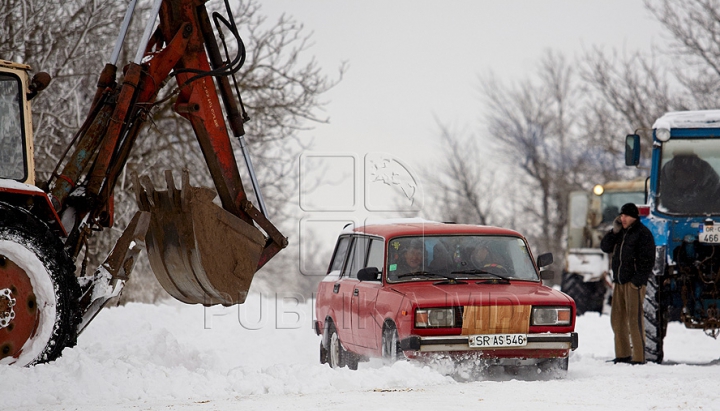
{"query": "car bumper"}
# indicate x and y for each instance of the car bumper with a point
(566, 341)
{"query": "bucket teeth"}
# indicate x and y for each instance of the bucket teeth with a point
(199, 252)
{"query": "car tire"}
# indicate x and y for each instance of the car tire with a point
(337, 355)
(335, 349)
(391, 350)
(559, 365)
(323, 354)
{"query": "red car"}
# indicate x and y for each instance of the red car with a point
(418, 288)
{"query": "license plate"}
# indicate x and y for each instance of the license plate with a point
(497, 340)
(709, 234)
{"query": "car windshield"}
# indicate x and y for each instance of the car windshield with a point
(458, 256)
(689, 182)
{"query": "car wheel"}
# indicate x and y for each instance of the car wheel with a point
(555, 365)
(323, 354)
(334, 349)
(391, 344)
(337, 356)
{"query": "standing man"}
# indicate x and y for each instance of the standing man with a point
(633, 256)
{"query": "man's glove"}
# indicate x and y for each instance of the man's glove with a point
(617, 225)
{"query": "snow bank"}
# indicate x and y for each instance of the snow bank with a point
(264, 354)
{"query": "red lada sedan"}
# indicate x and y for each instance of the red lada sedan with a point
(418, 288)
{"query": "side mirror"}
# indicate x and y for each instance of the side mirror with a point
(368, 274)
(544, 260)
(632, 150)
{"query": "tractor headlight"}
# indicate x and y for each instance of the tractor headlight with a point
(662, 134)
(435, 318)
(551, 316)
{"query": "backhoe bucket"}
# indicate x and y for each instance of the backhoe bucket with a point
(199, 252)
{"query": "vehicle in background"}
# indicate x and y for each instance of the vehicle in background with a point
(590, 215)
(683, 213)
(415, 289)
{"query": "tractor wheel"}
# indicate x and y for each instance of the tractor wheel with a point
(38, 291)
(588, 296)
(655, 322)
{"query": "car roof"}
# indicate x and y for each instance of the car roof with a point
(410, 227)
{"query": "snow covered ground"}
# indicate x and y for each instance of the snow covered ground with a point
(264, 355)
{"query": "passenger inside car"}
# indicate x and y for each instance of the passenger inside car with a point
(409, 257)
(440, 259)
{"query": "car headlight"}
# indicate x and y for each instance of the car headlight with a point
(436, 317)
(551, 316)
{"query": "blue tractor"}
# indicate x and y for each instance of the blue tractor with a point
(683, 213)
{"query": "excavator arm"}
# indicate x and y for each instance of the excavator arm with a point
(190, 258)
(200, 252)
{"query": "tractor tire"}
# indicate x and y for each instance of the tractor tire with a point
(39, 292)
(655, 322)
(588, 296)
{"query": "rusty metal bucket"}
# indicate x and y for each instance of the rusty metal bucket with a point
(199, 252)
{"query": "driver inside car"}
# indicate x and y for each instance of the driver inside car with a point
(483, 259)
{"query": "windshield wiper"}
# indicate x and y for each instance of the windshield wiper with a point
(450, 279)
(481, 272)
(421, 272)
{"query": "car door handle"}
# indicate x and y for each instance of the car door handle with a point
(356, 292)
(336, 288)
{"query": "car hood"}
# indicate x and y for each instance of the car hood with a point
(428, 294)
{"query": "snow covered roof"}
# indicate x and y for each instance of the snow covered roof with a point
(689, 119)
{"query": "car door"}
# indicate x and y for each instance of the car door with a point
(365, 326)
(331, 302)
(343, 293)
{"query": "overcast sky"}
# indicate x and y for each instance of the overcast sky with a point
(413, 61)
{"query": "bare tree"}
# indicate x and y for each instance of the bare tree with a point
(281, 88)
(536, 127)
(694, 29)
(629, 94)
(463, 185)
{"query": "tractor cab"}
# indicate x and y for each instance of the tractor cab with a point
(15, 127)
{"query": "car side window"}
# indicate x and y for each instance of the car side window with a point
(357, 257)
(376, 255)
(340, 253)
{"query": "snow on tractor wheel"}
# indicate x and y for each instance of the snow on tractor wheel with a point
(38, 291)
